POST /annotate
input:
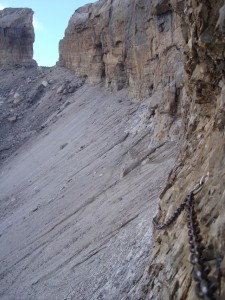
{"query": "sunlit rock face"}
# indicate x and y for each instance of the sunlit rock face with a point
(16, 36)
(124, 43)
(169, 273)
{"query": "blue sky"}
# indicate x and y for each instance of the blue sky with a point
(51, 18)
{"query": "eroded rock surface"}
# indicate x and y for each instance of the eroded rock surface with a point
(124, 43)
(168, 275)
(16, 36)
(134, 44)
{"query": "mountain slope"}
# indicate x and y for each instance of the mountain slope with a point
(78, 199)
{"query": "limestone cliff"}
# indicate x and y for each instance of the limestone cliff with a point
(16, 36)
(131, 43)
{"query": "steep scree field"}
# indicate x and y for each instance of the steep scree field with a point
(78, 197)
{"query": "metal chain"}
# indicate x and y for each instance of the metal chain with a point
(206, 285)
(179, 210)
(174, 216)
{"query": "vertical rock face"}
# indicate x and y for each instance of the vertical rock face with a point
(16, 36)
(134, 43)
(169, 274)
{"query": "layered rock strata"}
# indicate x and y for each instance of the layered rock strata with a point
(16, 36)
(169, 274)
(124, 43)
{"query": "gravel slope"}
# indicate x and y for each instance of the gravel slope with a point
(77, 202)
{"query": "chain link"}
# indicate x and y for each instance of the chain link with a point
(206, 285)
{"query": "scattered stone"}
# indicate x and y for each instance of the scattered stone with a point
(60, 89)
(44, 83)
(36, 94)
(12, 119)
(221, 20)
(35, 209)
(72, 89)
(17, 98)
(156, 99)
(63, 146)
(13, 199)
(67, 104)
(36, 190)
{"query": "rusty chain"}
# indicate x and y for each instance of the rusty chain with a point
(206, 285)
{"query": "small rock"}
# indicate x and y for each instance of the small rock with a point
(35, 209)
(13, 199)
(60, 89)
(63, 146)
(17, 98)
(67, 104)
(42, 127)
(12, 119)
(72, 89)
(44, 83)
(36, 190)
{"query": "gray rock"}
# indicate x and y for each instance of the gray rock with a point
(12, 119)
(17, 98)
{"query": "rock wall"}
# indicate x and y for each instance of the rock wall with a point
(16, 36)
(171, 52)
(169, 273)
(124, 43)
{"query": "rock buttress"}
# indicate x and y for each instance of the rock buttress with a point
(169, 274)
(16, 37)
